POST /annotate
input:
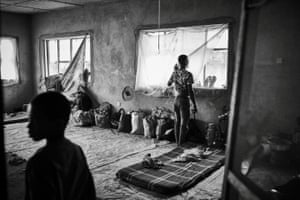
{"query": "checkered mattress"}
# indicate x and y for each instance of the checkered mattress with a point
(173, 177)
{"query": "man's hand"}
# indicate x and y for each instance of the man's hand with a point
(194, 109)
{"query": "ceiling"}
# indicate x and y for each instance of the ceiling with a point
(38, 6)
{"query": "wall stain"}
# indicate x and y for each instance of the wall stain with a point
(116, 58)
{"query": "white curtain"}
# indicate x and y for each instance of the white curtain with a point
(159, 49)
(9, 59)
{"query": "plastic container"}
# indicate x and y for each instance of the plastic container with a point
(210, 134)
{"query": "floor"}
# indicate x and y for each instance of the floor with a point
(107, 151)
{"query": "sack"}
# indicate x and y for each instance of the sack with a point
(194, 134)
(83, 101)
(83, 118)
(124, 122)
(149, 124)
(103, 114)
(137, 123)
(162, 112)
(114, 120)
(163, 125)
(54, 83)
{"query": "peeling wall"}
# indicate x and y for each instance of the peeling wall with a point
(114, 41)
(19, 26)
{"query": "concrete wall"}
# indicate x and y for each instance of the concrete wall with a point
(271, 77)
(19, 26)
(114, 43)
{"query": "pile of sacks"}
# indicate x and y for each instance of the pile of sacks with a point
(83, 113)
(99, 116)
(159, 124)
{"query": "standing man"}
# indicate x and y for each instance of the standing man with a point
(59, 170)
(183, 81)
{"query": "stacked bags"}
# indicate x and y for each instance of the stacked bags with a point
(83, 118)
(82, 112)
(137, 122)
(159, 124)
(124, 121)
(165, 123)
(131, 122)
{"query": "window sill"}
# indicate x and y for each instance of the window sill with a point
(7, 85)
(198, 92)
(158, 93)
(209, 92)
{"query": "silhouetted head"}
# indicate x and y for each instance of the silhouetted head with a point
(183, 61)
(49, 116)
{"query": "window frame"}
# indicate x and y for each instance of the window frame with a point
(18, 78)
(230, 60)
(43, 51)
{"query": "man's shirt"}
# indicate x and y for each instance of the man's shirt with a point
(181, 79)
(59, 171)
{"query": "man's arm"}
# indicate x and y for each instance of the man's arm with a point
(190, 81)
(170, 81)
(192, 97)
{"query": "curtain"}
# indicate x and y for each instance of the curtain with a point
(159, 49)
(73, 76)
(9, 59)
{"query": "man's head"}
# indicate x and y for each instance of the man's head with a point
(49, 115)
(183, 61)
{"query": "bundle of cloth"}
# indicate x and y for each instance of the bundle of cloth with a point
(151, 163)
(103, 115)
(164, 123)
(162, 113)
(193, 155)
(82, 113)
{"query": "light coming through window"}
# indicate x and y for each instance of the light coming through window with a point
(9, 60)
(59, 53)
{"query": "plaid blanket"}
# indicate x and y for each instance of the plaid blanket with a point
(173, 177)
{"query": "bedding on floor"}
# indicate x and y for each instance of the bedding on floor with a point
(107, 151)
(172, 177)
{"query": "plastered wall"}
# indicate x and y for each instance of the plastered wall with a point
(19, 26)
(271, 76)
(114, 41)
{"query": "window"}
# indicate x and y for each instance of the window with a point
(60, 51)
(9, 60)
(206, 47)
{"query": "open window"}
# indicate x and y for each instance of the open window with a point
(205, 45)
(9, 60)
(59, 51)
